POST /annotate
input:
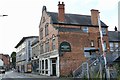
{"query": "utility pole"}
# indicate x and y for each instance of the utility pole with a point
(103, 47)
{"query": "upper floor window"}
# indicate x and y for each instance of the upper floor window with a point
(104, 31)
(105, 45)
(111, 46)
(46, 29)
(116, 46)
(85, 29)
(53, 42)
(41, 48)
(41, 33)
(92, 43)
(47, 46)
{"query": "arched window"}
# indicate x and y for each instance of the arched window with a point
(41, 48)
(65, 47)
(41, 33)
(46, 29)
(47, 45)
(53, 42)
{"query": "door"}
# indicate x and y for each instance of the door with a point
(54, 67)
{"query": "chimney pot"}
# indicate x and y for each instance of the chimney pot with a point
(59, 2)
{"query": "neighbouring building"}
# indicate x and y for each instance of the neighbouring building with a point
(6, 60)
(24, 54)
(35, 55)
(64, 38)
(114, 42)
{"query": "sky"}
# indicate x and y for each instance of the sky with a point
(24, 17)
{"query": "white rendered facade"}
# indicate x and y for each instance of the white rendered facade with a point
(24, 54)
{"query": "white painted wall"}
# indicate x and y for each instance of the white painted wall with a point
(1, 63)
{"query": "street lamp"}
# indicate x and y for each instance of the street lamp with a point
(3, 15)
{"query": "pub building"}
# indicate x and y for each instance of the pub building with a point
(64, 38)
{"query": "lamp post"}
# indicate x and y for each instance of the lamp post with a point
(3, 15)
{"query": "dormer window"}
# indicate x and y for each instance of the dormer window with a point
(85, 29)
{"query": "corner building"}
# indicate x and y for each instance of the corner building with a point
(63, 39)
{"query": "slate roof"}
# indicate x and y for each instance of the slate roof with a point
(23, 39)
(65, 29)
(74, 19)
(114, 36)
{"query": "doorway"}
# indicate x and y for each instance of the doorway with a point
(54, 66)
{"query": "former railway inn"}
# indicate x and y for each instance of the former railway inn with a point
(64, 38)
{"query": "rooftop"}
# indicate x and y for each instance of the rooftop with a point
(74, 19)
(23, 39)
(114, 36)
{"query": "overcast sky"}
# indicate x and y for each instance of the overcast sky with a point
(24, 17)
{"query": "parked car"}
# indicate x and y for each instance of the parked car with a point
(2, 70)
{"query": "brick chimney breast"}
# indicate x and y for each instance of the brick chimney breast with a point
(94, 16)
(61, 12)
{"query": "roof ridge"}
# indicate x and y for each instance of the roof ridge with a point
(71, 14)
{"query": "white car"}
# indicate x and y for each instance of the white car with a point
(2, 70)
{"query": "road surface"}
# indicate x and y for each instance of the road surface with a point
(12, 75)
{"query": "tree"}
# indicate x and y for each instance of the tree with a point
(13, 56)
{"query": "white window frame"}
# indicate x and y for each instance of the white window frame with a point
(85, 29)
(111, 46)
(104, 31)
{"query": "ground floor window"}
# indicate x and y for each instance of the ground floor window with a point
(48, 66)
(35, 65)
(42, 66)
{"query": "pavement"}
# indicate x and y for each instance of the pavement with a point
(35, 75)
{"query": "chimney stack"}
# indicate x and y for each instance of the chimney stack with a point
(61, 12)
(94, 16)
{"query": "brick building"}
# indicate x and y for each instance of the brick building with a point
(114, 42)
(63, 39)
(6, 60)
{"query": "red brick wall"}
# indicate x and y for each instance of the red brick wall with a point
(6, 60)
(69, 61)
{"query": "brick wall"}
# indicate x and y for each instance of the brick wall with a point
(69, 61)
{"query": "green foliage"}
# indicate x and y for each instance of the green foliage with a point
(118, 68)
(13, 56)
